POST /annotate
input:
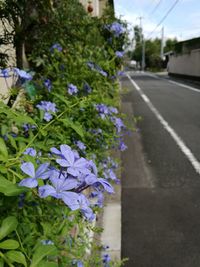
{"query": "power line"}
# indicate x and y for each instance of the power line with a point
(156, 7)
(165, 16)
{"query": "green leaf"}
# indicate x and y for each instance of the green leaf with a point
(8, 225)
(75, 126)
(3, 169)
(1, 263)
(12, 141)
(62, 98)
(24, 119)
(9, 244)
(48, 264)
(3, 149)
(41, 252)
(10, 189)
(16, 256)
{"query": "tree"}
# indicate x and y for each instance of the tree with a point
(137, 53)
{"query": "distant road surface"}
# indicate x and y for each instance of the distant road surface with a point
(161, 173)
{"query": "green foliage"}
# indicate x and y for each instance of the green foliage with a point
(28, 221)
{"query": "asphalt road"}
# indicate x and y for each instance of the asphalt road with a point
(161, 174)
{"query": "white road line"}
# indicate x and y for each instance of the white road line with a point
(186, 151)
(185, 86)
(173, 82)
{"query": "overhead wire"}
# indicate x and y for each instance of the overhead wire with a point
(156, 7)
(165, 16)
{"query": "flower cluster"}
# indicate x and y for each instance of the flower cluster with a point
(23, 74)
(68, 181)
(108, 168)
(72, 89)
(48, 84)
(105, 110)
(56, 47)
(119, 54)
(9, 72)
(116, 28)
(48, 108)
(97, 68)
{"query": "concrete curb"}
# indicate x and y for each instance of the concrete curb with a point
(111, 221)
(111, 235)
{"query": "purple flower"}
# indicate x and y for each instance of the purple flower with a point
(120, 73)
(57, 47)
(110, 174)
(5, 73)
(30, 151)
(78, 263)
(116, 28)
(91, 65)
(113, 110)
(100, 198)
(106, 259)
(29, 169)
(47, 84)
(119, 54)
(75, 166)
(72, 89)
(94, 66)
(105, 110)
(92, 180)
(23, 74)
(87, 88)
(118, 124)
(47, 116)
(28, 126)
(47, 106)
(60, 189)
(84, 207)
(122, 146)
(80, 145)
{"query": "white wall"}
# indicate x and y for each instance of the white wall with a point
(186, 64)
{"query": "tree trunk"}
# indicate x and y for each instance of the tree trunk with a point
(19, 52)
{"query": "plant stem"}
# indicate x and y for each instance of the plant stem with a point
(22, 245)
(6, 260)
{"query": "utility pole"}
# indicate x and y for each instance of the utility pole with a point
(162, 43)
(142, 40)
(143, 54)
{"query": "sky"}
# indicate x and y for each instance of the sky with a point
(183, 22)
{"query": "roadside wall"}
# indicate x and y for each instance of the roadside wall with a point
(185, 64)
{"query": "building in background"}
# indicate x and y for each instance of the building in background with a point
(96, 7)
(185, 59)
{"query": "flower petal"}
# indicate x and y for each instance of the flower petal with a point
(28, 168)
(81, 163)
(63, 162)
(64, 150)
(29, 182)
(46, 190)
(69, 156)
(71, 200)
(73, 171)
(41, 172)
(91, 179)
(55, 151)
(106, 185)
(69, 184)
